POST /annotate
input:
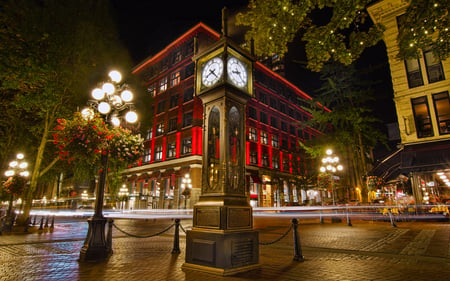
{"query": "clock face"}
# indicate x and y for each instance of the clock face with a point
(212, 71)
(237, 72)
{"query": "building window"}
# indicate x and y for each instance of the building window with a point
(275, 161)
(161, 107)
(263, 98)
(273, 103)
(147, 155)
(253, 157)
(163, 84)
(274, 122)
(275, 141)
(188, 94)
(159, 129)
(172, 124)
(264, 138)
(150, 133)
(175, 78)
(422, 118)
(174, 100)
(171, 150)
(187, 119)
(434, 67)
(152, 90)
(283, 107)
(292, 130)
(283, 126)
(189, 70)
(285, 164)
(284, 144)
(265, 160)
(413, 73)
(186, 146)
(291, 112)
(177, 56)
(252, 134)
(252, 113)
(263, 118)
(158, 152)
(442, 106)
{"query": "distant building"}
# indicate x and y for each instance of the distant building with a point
(276, 167)
(421, 95)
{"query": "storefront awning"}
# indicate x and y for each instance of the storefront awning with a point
(425, 157)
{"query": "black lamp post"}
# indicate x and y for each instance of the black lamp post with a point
(331, 165)
(16, 173)
(186, 186)
(123, 195)
(110, 101)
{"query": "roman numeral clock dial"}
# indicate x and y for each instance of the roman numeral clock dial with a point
(237, 72)
(212, 71)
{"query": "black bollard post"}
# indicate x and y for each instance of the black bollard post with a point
(109, 236)
(349, 222)
(390, 217)
(27, 224)
(34, 221)
(176, 239)
(42, 223)
(46, 221)
(53, 222)
(297, 247)
(321, 218)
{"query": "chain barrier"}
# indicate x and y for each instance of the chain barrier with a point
(278, 239)
(143, 236)
(182, 228)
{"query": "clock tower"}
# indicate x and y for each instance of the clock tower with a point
(222, 240)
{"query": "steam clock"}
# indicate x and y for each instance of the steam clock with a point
(222, 240)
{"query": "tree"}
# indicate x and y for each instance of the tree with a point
(338, 30)
(353, 126)
(51, 51)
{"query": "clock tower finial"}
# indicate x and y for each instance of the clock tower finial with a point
(225, 22)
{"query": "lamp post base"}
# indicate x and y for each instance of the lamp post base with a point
(96, 247)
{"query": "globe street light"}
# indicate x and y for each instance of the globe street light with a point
(111, 100)
(123, 194)
(186, 186)
(17, 174)
(330, 165)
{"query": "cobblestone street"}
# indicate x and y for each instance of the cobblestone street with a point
(365, 251)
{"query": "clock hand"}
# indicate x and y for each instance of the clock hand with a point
(211, 71)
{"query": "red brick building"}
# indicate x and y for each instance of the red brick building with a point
(275, 165)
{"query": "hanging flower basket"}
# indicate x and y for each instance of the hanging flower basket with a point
(81, 139)
(15, 185)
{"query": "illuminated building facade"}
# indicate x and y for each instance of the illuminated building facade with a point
(276, 167)
(421, 95)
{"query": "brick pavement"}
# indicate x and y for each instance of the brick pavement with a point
(366, 251)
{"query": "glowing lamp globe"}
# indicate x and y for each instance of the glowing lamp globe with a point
(98, 94)
(131, 117)
(115, 121)
(104, 108)
(115, 76)
(126, 96)
(108, 88)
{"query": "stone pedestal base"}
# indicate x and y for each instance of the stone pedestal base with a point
(95, 246)
(222, 253)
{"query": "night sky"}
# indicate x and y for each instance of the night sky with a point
(146, 28)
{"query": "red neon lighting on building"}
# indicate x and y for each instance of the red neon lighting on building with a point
(163, 158)
(178, 145)
(281, 160)
(247, 153)
(183, 37)
(259, 148)
(200, 141)
(194, 140)
(290, 163)
(270, 152)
